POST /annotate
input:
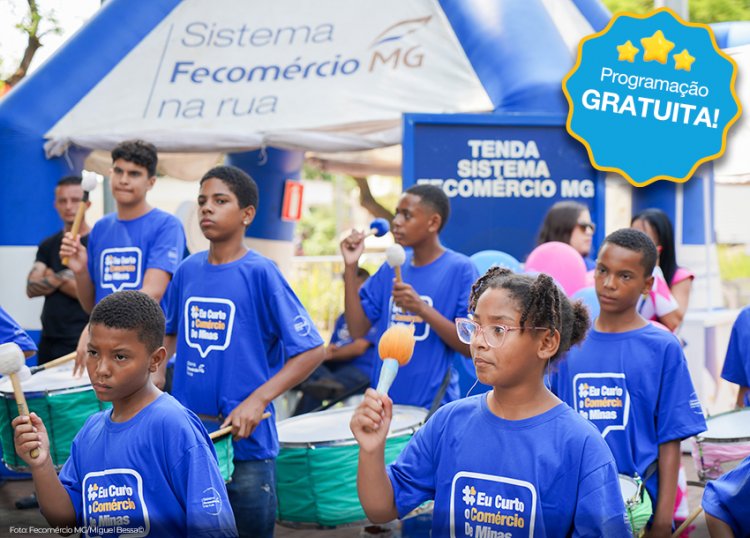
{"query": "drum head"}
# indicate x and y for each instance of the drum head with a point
(332, 427)
(726, 427)
(55, 379)
(628, 487)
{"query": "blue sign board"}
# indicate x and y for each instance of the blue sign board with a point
(502, 173)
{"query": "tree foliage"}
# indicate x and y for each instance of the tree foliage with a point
(703, 11)
(35, 25)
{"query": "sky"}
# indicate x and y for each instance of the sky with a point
(71, 15)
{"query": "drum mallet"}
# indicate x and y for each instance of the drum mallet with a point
(12, 364)
(395, 348)
(88, 183)
(228, 429)
(51, 364)
(378, 228)
(395, 256)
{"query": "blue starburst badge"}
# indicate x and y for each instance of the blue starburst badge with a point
(652, 97)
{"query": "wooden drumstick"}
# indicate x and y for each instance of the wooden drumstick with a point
(56, 362)
(88, 183)
(11, 363)
(695, 513)
(395, 256)
(228, 429)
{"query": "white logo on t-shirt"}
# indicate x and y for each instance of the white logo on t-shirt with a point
(120, 268)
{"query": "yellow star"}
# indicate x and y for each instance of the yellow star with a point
(657, 48)
(627, 52)
(683, 60)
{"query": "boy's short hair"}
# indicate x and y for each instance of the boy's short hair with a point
(434, 197)
(637, 241)
(238, 181)
(69, 180)
(132, 311)
(137, 152)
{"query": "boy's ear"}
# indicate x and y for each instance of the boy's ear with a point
(549, 343)
(151, 182)
(157, 357)
(647, 285)
(248, 215)
(434, 222)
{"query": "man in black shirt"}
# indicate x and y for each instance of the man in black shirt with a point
(63, 319)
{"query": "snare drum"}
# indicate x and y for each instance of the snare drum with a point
(316, 471)
(723, 445)
(637, 503)
(61, 401)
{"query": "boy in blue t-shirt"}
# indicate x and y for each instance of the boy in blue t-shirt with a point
(136, 248)
(726, 502)
(144, 467)
(434, 291)
(630, 379)
(242, 339)
(515, 461)
(737, 361)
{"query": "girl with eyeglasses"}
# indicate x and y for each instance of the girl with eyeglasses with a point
(514, 460)
(570, 222)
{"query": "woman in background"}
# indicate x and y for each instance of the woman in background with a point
(669, 303)
(570, 222)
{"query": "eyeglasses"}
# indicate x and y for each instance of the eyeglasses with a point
(494, 335)
(586, 226)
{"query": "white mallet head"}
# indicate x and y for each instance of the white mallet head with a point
(395, 255)
(11, 359)
(89, 180)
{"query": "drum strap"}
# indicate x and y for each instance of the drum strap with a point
(440, 394)
(651, 469)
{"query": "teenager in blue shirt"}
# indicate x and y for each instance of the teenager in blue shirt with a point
(515, 461)
(147, 465)
(434, 291)
(242, 339)
(136, 248)
(737, 361)
(630, 379)
(726, 502)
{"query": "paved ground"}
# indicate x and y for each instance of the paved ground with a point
(12, 490)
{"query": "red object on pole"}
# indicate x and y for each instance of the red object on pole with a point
(291, 208)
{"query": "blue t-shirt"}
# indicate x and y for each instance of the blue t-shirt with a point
(728, 499)
(550, 475)
(341, 337)
(636, 389)
(157, 472)
(120, 251)
(10, 331)
(737, 362)
(235, 323)
(445, 285)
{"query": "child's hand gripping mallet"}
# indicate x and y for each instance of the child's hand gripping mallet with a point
(378, 228)
(88, 183)
(395, 348)
(13, 365)
(395, 256)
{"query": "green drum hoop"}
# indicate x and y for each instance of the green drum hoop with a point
(316, 470)
(637, 503)
(63, 402)
(225, 456)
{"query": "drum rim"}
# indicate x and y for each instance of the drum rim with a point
(54, 392)
(634, 499)
(349, 441)
(723, 440)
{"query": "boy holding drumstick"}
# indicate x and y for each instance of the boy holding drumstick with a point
(242, 338)
(146, 466)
